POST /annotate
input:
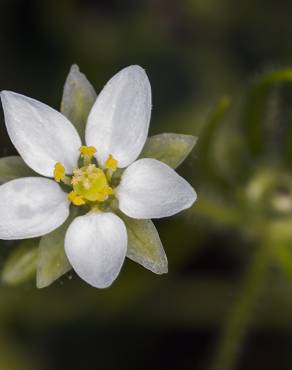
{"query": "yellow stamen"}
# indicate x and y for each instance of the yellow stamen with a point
(75, 198)
(111, 163)
(103, 194)
(87, 151)
(59, 172)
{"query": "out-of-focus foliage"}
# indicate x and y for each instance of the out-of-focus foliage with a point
(221, 71)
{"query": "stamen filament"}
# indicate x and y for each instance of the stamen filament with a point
(111, 165)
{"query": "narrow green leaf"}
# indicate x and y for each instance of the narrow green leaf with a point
(144, 245)
(283, 255)
(212, 150)
(20, 266)
(279, 233)
(78, 99)
(171, 149)
(52, 261)
(255, 108)
(13, 167)
(210, 131)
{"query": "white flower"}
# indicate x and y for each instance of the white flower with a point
(116, 131)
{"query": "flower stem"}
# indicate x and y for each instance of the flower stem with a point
(241, 313)
(218, 213)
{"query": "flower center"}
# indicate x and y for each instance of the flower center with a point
(89, 182)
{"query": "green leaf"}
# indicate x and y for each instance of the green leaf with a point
(13, 167)
(255, 109)
(279, 234)
(283, 255)
(52, 261)
(20, 266)
(144, 245)
(78, 99)
(210, 132)
(171, 149)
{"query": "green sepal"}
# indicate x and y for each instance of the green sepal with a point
(14, 167)
(171, 149)
(78, 99)
(144, 245)
(20, 266)
(52, 261)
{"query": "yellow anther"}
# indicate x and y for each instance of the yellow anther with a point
(87, 151)
(59, 172)
(111, 163)
(104, 193)
(75, 198)
(109, 190)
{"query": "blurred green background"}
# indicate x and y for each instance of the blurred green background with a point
(219, 70)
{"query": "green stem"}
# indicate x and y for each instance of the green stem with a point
(241, 313)
(218, 213)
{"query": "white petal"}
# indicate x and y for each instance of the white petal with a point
(31, 207)
(119, 120)
(151, 189)
(96, 246)
(41, 135)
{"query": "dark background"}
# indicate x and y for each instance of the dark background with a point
(194, 52)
